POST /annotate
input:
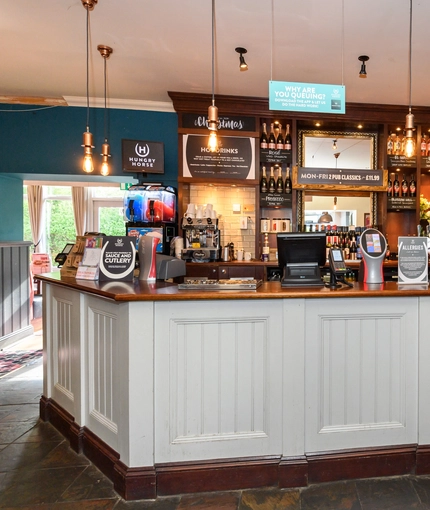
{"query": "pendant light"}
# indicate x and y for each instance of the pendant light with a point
(409, 126)
(88, 146)
(105, 52)
(243, 66)
(213, 110)
(363, 59)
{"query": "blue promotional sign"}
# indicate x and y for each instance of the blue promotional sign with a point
(306, 97)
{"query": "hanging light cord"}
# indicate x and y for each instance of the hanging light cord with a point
(271, 43)
(105, 116)
(88, 69)
(213, 52)
(343, 35)
(410, 56)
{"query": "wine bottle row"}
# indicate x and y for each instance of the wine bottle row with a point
(403, 189)
(401, 145)
(272, 184)
(275, 138)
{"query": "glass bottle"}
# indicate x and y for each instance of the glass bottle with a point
(398, 146)
(263, 137)
(287, 142)
(389, 187)
(280, 139)
(288, 186)
(263, 182)
(412, 187)
(272, 139)
(396, 186)
(423, 145)
(390, 144)
(279, 181)
(266, 248)
(405, 187)
(272, 184)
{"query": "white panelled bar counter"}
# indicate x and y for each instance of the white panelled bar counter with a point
(171, 391)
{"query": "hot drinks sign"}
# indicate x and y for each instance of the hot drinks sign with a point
(141, 156)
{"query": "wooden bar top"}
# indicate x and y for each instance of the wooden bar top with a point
(163, 291)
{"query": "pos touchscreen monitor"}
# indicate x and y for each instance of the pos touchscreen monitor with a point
(300, 257)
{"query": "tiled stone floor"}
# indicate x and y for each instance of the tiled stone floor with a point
(38, 470)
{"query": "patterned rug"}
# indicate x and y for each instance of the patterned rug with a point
(11, 361)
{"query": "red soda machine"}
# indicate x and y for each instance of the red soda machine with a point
(151, 210)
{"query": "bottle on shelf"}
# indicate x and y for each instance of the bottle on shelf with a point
(266, 249)
(353, 249)
(390, 144)
(412, 187)
(288, 186)
(405, 187)
(398, 146)
(389, 187)
(428, 145)
(287, 141)
(263, 138)
(272, 139)
(423, 145)
(280, 138)
(263, 182)
(272, 185)
(279, 181)
(396, 186)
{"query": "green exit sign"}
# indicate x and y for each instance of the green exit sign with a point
(125, 185)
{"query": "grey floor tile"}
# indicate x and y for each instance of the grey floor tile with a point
(388, 493)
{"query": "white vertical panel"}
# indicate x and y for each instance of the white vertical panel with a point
(221, 389)
(361, 364)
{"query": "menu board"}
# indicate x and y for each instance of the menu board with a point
(413, 260)
(235, 158)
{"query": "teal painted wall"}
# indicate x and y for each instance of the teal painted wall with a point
(46, 143)
(11, 227)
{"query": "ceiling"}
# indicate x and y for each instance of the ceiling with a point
(165, 45)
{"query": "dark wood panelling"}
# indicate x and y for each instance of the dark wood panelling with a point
(259, 106)
(363, 463)
(148, 482)
(206, 476)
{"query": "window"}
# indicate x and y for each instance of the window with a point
(105, 214)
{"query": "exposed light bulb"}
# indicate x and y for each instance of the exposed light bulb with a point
(409, 134)
(88, 146)
(213, 142)
(105, 159)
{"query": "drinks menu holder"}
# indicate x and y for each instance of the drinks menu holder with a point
(89, 266)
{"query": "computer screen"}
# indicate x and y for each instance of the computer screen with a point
(300, 256)
(373, 243)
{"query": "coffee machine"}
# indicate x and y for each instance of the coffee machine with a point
(151, 210)
(201, 239)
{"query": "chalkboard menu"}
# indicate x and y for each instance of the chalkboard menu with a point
(234, 160)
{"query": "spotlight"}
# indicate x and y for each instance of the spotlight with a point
(363, 59)
(242, 64)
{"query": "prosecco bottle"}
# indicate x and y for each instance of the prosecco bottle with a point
(389, 187)
(272, 184)
(412, 187)
(263, 182)
(396, 186)
(288, 186)
(279, 181)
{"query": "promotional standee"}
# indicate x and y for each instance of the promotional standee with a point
(373, 247)
(151, 209)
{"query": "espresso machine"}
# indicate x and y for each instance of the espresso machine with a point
(201, 239)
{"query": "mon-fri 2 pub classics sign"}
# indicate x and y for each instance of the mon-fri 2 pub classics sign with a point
(234, 160)
(338, 178)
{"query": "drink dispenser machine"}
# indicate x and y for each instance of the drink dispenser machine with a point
(151, 210)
